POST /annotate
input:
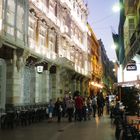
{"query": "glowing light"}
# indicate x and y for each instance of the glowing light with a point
(116, 7)
(96, 84)
(113, 46)
(114, 70)
(39, 69)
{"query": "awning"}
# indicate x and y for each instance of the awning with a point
(128, 83)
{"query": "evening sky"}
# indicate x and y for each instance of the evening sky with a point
(102, 19)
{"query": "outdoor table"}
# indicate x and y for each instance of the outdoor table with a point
(134, 120)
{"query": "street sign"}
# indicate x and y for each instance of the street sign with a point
(131, 67)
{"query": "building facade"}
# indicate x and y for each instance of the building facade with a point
(95, 83)
(108, 75)
(128, 43)
(43, 50)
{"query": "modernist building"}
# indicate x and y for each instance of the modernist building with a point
(43, 50)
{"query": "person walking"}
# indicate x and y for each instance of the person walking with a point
(50, 110)
(94, 105)
(79, 107)
(58, 108)
(70, 108)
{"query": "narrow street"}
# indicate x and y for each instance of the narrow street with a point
(94, 129)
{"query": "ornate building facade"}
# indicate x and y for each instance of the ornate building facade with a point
(108, 75)
(95, 83)
(48, 34)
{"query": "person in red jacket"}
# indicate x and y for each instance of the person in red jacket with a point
(79, 107)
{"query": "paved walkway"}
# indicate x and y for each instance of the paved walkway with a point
(94, 129)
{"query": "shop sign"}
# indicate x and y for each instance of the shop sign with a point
(131, 67)
(39, 69)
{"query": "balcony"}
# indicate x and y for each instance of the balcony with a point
(52, 17)
(66, 3)
(78, 21)
(129, 7)
(133, 47)
(78, 43)
(43, 8)
(40, 5)
(64, 29)
(66, 63)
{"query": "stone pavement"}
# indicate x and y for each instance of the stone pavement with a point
(94, 129)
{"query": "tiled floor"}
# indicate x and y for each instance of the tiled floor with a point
(94, 129)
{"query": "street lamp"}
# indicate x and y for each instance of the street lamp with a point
(39, 68)
(116, 7)
(114, 70)
(113, 46)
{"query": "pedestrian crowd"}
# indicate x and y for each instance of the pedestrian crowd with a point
(76, 108)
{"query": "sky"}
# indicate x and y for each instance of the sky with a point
(102, 20)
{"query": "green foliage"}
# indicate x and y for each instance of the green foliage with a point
(130, 99)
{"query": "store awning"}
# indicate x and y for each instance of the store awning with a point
(128, 83)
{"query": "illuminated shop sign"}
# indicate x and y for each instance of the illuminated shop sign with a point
(131, 67)
(39, 69)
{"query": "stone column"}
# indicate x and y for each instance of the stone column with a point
(81, 87)
(47, 86)
(2, 83)
(78, 85)
(42, 87)
(14, 88)
(75, 87)
(53, 85)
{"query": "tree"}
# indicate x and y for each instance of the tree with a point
(130, 99)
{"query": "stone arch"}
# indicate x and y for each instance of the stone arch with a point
(53, 69)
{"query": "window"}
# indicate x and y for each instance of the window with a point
(10, 16)
(11, 12)
(52, 8)
(31, 30)
(20, 19)
(74, 5)
(51, 46)
(31, 24)
(20, 16)
(42, 36)
(42, 40)
(31, 33)
(131, 26)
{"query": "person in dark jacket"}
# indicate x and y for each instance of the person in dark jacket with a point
(58, 108)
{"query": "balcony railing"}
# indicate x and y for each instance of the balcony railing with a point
(66, 62)
(67, 3)
(43, 8)
(78, 21)
(129, 7)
